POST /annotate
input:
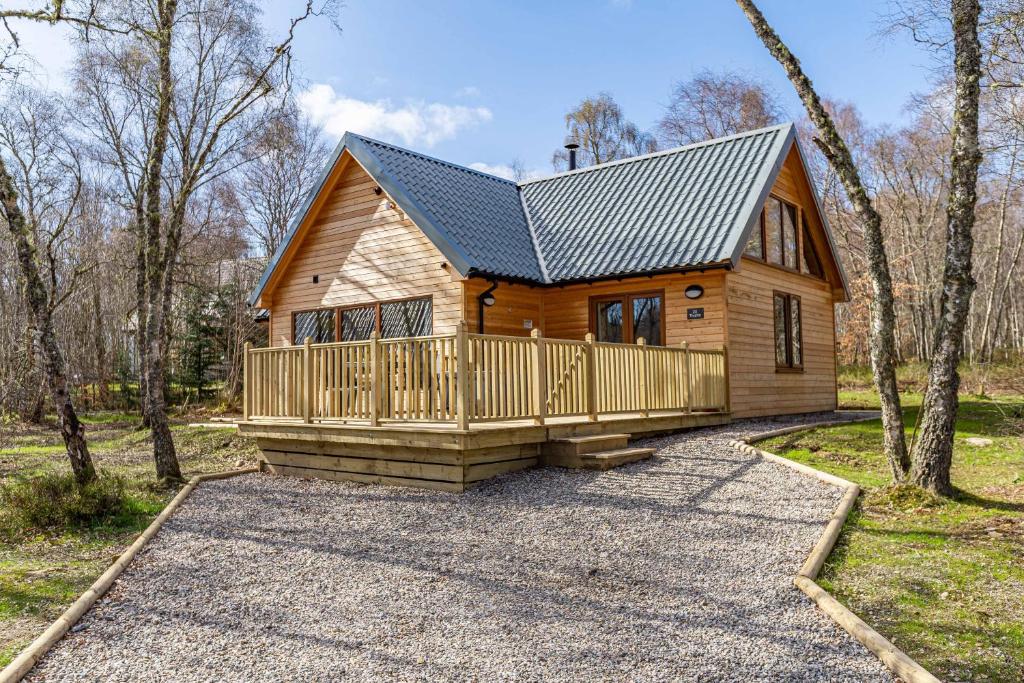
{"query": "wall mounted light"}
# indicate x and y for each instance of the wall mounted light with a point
(694, 292)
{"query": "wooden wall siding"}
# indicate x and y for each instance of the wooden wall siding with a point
(363, 252)
(755, 386)
(514, 304)
(567, 310)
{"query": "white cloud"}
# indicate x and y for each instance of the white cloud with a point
(415, 123)
(506, 171)
(468, 91)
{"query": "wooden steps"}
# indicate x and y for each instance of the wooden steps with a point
(596, 452)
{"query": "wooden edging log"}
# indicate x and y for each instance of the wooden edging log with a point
(898, 661)
(28, 657)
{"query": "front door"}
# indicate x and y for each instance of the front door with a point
(625, 318)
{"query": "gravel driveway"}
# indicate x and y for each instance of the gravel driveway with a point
(679, 568)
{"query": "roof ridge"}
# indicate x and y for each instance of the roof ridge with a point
(534, 241)
(664, 152)
(443, 162)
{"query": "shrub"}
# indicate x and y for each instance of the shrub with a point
(54, 502)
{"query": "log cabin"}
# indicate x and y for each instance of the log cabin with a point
(434, 325)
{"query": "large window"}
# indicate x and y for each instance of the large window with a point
(390, 319)
(789, 353)
(319, 326)
(410, 318)
(628, 317)
(777, 239)
(358, 323)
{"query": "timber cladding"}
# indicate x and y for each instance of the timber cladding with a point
(756, 385)
(362, 252)
(566, 312)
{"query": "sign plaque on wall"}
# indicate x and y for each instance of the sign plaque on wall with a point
(694, 313)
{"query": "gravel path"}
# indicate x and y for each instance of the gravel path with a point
(676, 569)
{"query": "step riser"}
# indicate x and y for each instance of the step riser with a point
(599, 461)
(567, 447)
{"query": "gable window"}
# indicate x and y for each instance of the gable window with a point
(811, 263)
(318, 326)
(789, 353)
(777, 240)
(625, 318)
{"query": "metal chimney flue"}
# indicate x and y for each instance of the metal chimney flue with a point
(572, 147)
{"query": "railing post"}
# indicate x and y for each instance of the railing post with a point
(686, 372)
(246, 381)
(307, 382)
(725, 377)
(462, 376)
(645, 396)
(540, 377)
(591, 378)
(374, 379)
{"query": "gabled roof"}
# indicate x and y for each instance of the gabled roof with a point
(688, 207)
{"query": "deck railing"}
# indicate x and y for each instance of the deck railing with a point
(464, 378)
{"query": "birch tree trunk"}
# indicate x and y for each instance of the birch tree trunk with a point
(43, 334)
(882, 307)
(933, 453)
(164, 453)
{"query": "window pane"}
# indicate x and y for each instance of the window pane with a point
(406, 319)
(811, 263)
(358, 323)
(780, 331)
(773, 229)
(755, 247)
(789, 234)
(317, 325)
(609, 321)
(794, 313)
(647, 319)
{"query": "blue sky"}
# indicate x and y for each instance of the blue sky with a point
(488, 81)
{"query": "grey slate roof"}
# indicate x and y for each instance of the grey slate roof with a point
(681, 208)
(480, 213)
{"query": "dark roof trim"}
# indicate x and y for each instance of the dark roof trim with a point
(753, 202)
(419, 215)
(717, 265)
(843, 280)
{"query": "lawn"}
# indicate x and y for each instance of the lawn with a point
(942, 579)
(42, 573)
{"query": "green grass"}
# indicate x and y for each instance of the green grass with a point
(943, 579)
(43, 571)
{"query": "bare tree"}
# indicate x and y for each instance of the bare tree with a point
(38, 202)
(205, 92)
(883, 315)
(713, 105)
(933, 453)
(603, 133)
(289, 153)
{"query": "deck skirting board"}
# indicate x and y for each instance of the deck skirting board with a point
(429, 456)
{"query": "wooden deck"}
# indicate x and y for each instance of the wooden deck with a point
(448, 411)
(438, 455)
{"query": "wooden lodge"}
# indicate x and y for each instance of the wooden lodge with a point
(432, 325)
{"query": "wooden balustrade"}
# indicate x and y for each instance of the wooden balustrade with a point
(464, 378)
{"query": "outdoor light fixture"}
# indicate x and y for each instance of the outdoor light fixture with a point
(484, 300)
(694, 292)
